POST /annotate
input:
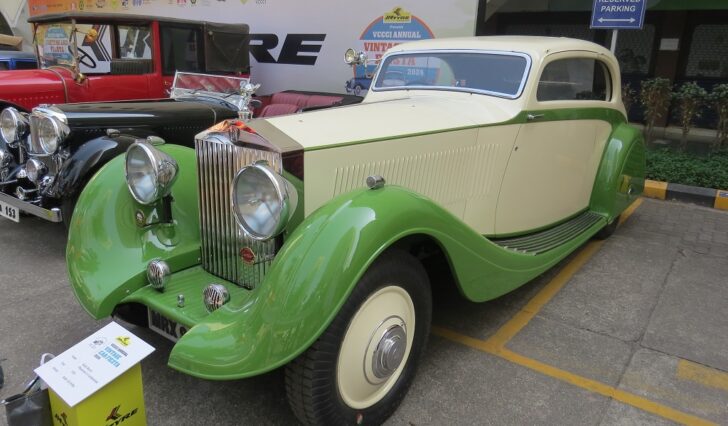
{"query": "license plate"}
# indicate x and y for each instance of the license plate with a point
(10, 212)
(172, 330)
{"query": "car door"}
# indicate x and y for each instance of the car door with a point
(551, 171)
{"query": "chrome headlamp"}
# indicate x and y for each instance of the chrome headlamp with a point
(13, 126)
(263, 201)
(49, 134)
(150, 173)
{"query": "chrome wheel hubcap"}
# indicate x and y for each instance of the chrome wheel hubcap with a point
(389, 352)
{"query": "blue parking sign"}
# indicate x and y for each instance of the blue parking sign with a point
(618, 14)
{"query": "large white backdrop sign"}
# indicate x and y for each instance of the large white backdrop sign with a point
(300, 44)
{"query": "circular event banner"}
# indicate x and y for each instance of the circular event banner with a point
(394, 27)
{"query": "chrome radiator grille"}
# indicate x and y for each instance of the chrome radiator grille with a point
(221, 238)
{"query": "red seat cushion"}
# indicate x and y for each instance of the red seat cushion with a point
(278, 109)
(289, 98)
(321, 100)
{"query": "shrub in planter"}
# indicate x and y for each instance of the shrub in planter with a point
(654, 97)
(628, 97)
(689, 99)
(680, 167)
(719, 99)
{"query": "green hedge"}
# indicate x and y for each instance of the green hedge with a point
(678, 167)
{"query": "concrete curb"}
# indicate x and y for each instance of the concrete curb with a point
(708, 197)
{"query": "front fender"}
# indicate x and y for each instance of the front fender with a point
(319, 265)
(108, 253)
(87, 159)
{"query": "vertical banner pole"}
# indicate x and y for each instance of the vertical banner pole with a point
(614, 41)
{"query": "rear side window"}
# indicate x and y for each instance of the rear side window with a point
(575, 79)
(181, 49)
(4, 65)
(25, 65)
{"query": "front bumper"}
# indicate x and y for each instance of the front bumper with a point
(53, 215)
(216, 345)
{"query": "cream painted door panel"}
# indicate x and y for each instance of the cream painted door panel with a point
(550, 174)
(460, 170)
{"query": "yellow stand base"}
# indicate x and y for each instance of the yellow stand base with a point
(120, 403)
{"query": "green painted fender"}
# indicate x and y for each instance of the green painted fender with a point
(321, 262)
(107, 253)
(620, 178)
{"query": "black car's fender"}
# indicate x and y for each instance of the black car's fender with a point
(88, 158)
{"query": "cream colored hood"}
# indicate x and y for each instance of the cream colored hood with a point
(394, 118)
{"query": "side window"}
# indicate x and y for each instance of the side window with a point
(4, 65)
(135, 42)
(181, 49)
(133, 50)
(25, 65)
(574, 79)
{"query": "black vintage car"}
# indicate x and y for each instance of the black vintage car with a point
(58, 148)
(48, 156)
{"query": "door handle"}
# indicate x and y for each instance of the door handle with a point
(531, 117)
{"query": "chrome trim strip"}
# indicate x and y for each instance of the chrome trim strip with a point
(526, 72)
(53, 215)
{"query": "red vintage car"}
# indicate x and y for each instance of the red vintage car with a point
(86, 57)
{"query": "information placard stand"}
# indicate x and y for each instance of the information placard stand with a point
(99, 380)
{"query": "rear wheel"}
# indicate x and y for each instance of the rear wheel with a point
(608, 230)
(360, 368)
(357, 89)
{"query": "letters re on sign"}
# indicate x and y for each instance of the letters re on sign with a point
(618, 14)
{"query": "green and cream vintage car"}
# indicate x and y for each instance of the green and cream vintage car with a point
(311, 240)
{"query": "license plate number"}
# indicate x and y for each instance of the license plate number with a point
(9, 212)
(172, 330)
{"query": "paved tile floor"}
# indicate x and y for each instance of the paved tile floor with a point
(638, 335)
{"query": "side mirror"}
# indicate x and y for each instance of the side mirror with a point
(352, 57)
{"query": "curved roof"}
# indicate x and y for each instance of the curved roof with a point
(535, 46)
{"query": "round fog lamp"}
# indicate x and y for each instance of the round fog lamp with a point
(158, 274)
(214, 296)
(34, 170)
(263, 201)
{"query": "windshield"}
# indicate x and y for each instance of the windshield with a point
(187, 84)
(493, 73)
(129, 51)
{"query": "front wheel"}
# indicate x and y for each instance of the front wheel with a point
(360, 368)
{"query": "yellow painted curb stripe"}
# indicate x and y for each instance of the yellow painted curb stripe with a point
(721, 200)
(655, 189)
(706, 376)
(574, 379)
(515, 324)
(495, 345)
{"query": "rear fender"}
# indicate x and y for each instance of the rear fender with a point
(108, 253)
(621, 175)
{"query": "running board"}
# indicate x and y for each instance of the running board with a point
(543, 241)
